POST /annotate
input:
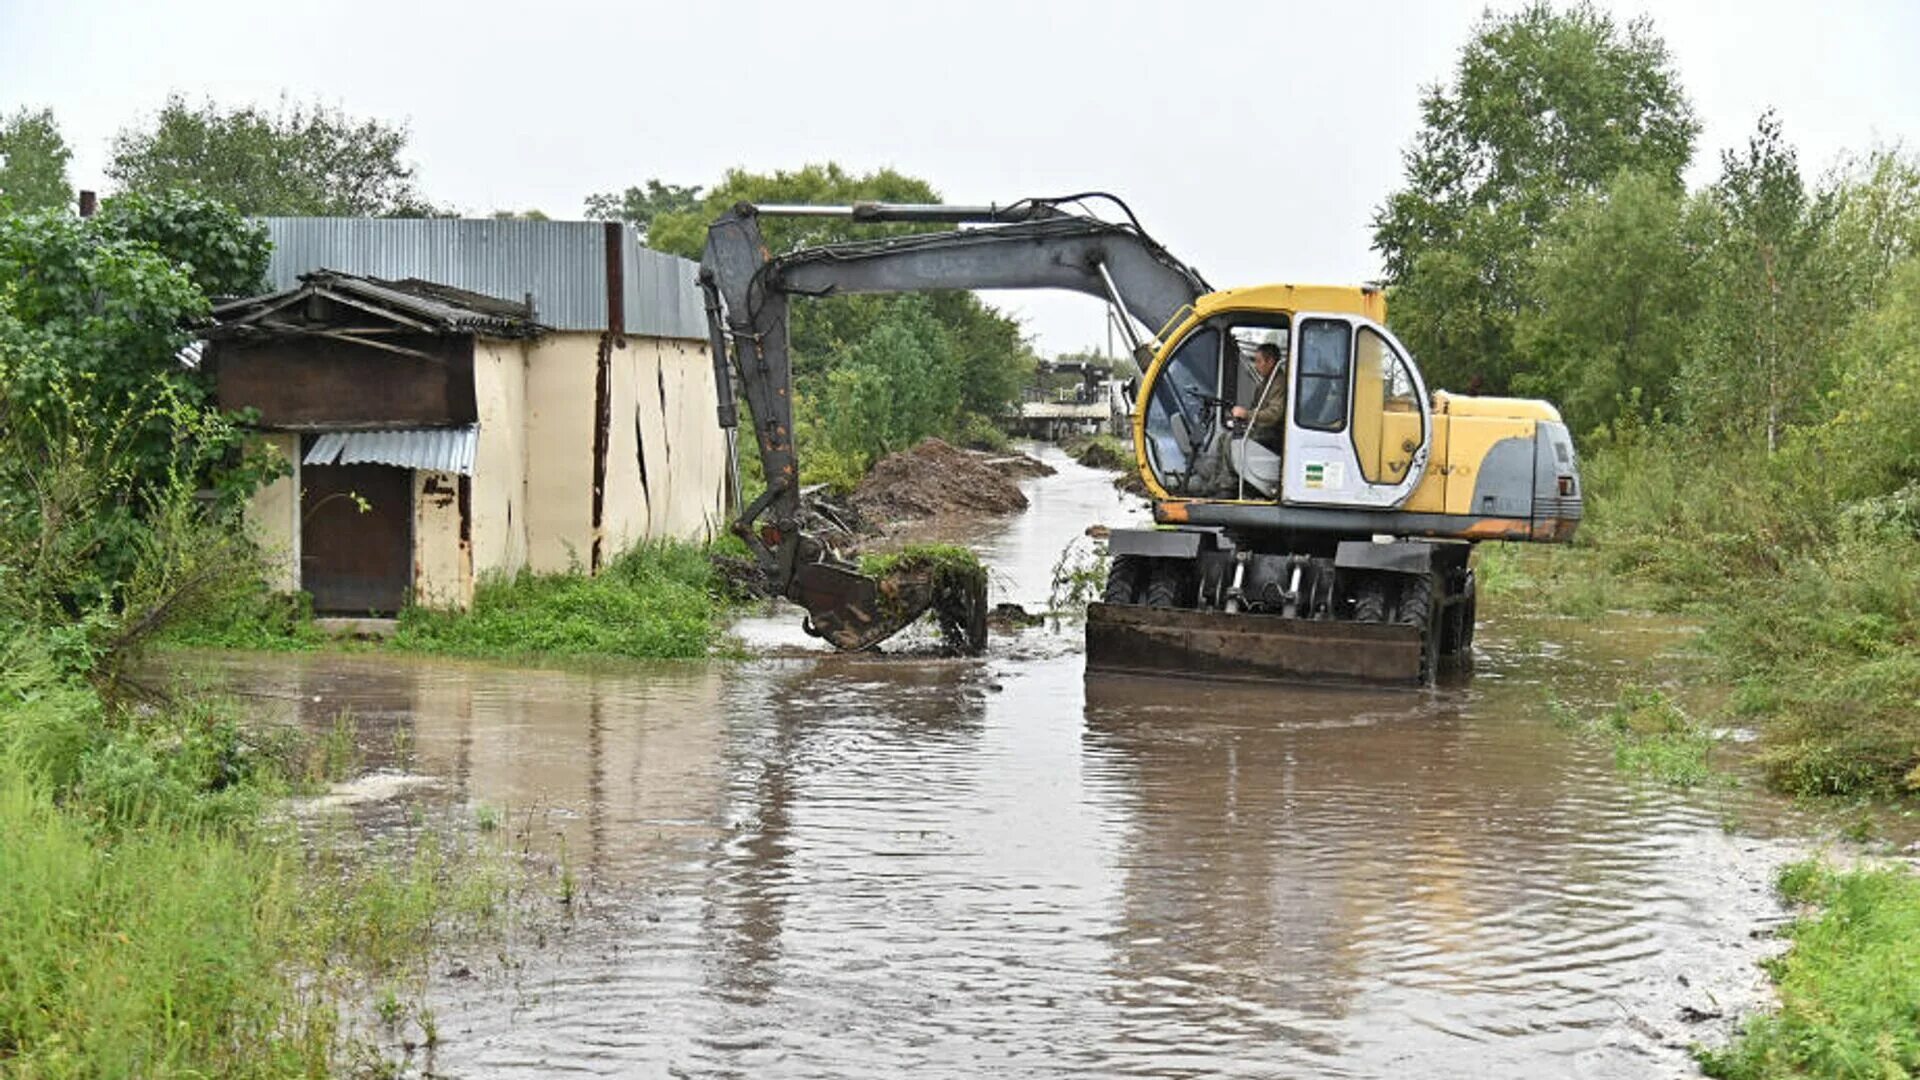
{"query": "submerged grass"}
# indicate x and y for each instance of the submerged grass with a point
(1849, 985)
(1654, 738)
(1651, 735)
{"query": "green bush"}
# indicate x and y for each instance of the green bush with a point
(656, 601)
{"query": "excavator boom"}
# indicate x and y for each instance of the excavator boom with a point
(1032, 244)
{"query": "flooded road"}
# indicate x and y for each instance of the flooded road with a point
(833, 866)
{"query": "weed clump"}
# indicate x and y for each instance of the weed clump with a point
(1653, 737)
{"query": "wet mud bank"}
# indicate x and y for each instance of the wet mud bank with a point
(806, 864)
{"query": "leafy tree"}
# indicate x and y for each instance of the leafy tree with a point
(638, 206)
(1618, 287)
(1874, 435)
(1778, 299)
(1877, 219)
(221, 252)
(93, 315)
(898, 384)
(33, 162)
(990, 359)
(519, 215)
(1545, 106)
(296, 160)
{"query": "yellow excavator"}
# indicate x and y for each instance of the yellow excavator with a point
(1316, 506)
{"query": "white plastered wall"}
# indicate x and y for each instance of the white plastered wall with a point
(442, 559)
(663, 416)
(273, 514)
(530, 502)
(498, 526)
(559, 440)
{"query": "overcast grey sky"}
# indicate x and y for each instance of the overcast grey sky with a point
(1253, 139)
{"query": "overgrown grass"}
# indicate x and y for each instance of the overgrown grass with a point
(157, 920)
(1849, 985)
(660, 600)
(152, 954)
(250, 618)
(1811, 604)
(656, 601)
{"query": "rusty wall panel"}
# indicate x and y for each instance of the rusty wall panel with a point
(315, 384)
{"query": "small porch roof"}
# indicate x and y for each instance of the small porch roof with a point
(447, 449)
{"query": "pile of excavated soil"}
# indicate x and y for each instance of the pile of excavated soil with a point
(935, 479)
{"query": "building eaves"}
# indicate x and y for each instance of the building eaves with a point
(424, 306)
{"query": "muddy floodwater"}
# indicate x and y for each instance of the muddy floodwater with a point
(813, 865)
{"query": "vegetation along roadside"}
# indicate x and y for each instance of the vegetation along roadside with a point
(1741, 365)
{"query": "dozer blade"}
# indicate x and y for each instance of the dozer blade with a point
(1135, 640)
(853, 611)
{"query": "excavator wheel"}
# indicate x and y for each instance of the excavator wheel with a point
(1415, 609)
(1123, 579)
(1457, 627)
(1167, 583)
(1370, 599)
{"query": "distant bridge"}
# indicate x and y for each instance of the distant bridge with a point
(1054, 419)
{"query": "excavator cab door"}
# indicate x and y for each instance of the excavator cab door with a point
(1360, 426)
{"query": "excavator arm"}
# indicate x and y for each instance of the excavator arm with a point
(1032, 244)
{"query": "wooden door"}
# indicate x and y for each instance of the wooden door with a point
(356, 538)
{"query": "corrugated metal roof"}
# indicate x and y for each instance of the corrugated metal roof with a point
(424, 305)
(562, 264)
(438, 449)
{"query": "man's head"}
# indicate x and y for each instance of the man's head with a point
(1266, 358)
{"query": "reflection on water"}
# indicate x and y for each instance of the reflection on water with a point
(834, 866)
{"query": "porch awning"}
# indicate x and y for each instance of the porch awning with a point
(439, 449)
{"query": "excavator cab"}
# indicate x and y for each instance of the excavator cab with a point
(1357, 428)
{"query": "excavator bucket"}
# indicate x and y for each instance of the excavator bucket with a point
(853, 611)
(1134, 639)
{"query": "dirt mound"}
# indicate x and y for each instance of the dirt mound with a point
(935, 479)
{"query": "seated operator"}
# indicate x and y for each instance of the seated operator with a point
(1268, 419)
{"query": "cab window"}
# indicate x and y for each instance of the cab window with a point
(1387, 425)
(1178, 413)
(1325, 355)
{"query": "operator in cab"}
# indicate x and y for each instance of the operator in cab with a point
(1267, 420)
